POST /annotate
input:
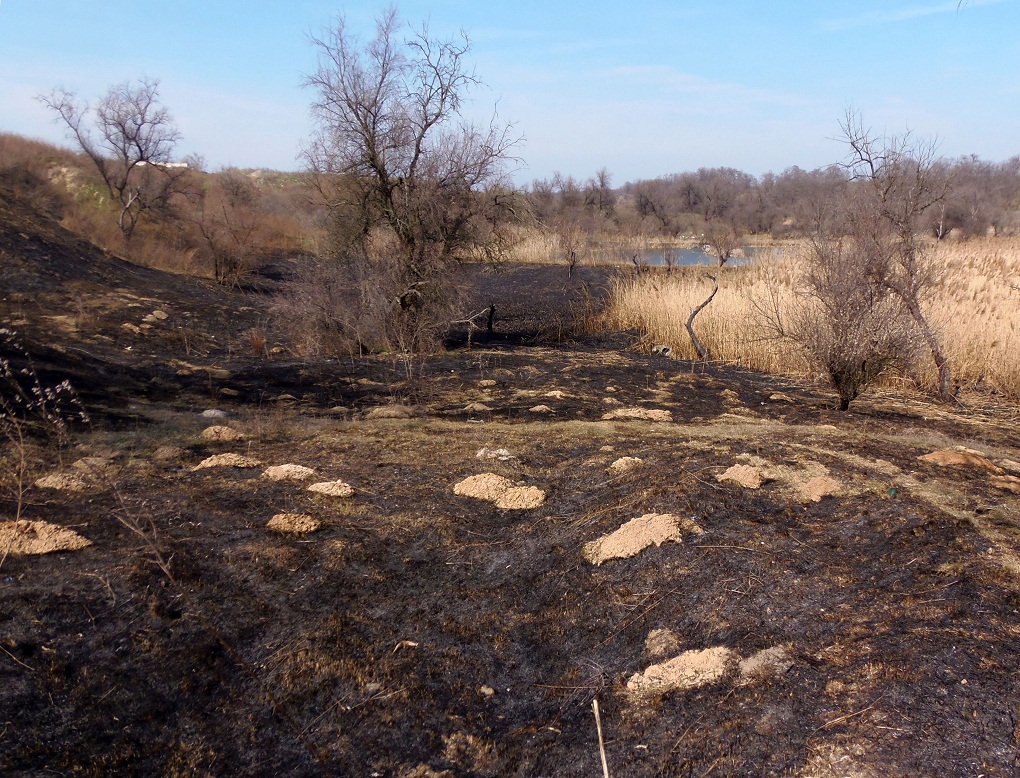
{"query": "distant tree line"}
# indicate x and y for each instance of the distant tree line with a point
(984, 197)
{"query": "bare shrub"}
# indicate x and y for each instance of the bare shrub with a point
(852, 330)
(231, 221)
(900, 181)
(359, 307)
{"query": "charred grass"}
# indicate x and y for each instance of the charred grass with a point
(419, 631)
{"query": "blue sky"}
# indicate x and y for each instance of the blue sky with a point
(641, 88)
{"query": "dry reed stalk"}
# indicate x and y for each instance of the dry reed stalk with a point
(602, 744)
(975, 309)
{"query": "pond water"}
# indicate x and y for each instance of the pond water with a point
(688, 257)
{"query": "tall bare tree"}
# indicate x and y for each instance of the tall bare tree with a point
(130, 138)
(396, 161)
(903, 179)
(389, 122)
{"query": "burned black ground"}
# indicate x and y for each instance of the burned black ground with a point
(419, 633)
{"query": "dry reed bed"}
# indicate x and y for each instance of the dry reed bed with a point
(975, 309)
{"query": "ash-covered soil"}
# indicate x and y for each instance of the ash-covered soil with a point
(855, 613)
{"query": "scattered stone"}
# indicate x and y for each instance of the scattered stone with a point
(134, 329)
(558, 394)
(779, 397)
(520, 498)
(160, 315)
(661, 642)
(767, 663)
(494, 453)
(213, 413)
(638, 414)
(747, 476)
(623, 464)
(221, 434)
(226, 391)
(62, 482)
(1009, 483)
(293, 523)
(227, 460)
(952, 457)
(607, 449)
(818, 487)
(487, 486)
(30, 538)
(391, 412)
(636, 535)
(486, 383)
(476, 408)
(288, 473)
(333, 489)
(487, 691)
(540, 409)
(688, 671)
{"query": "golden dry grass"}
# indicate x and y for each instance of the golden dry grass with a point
(975, 309)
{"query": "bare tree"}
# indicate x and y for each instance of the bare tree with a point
(902, 179)
(130, 138)
(394, 156)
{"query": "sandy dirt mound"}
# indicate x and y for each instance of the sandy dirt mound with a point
(38, 537)
(220, 434)
(477, 408)
(661, 642)
(293, 523)
(62, 482)
(744, 475)
(688, 671)
(814, 489)
(332, 489)
(391, 412)
(500, 454)
(540, 409)
(288, 472)
(638, 534)
(638, 414)
(766, 663)
(951, 457)
(227, 460)
(1009, 483)
(487, 486)
(520, 498)
(501, 491)
(623, 464)
(93, 466)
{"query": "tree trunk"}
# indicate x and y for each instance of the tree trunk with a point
(702, 351)
(941, 360)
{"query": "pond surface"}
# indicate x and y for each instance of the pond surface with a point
(686, 257)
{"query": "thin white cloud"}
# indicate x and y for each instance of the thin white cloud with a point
(672, 79)
(894, 15)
